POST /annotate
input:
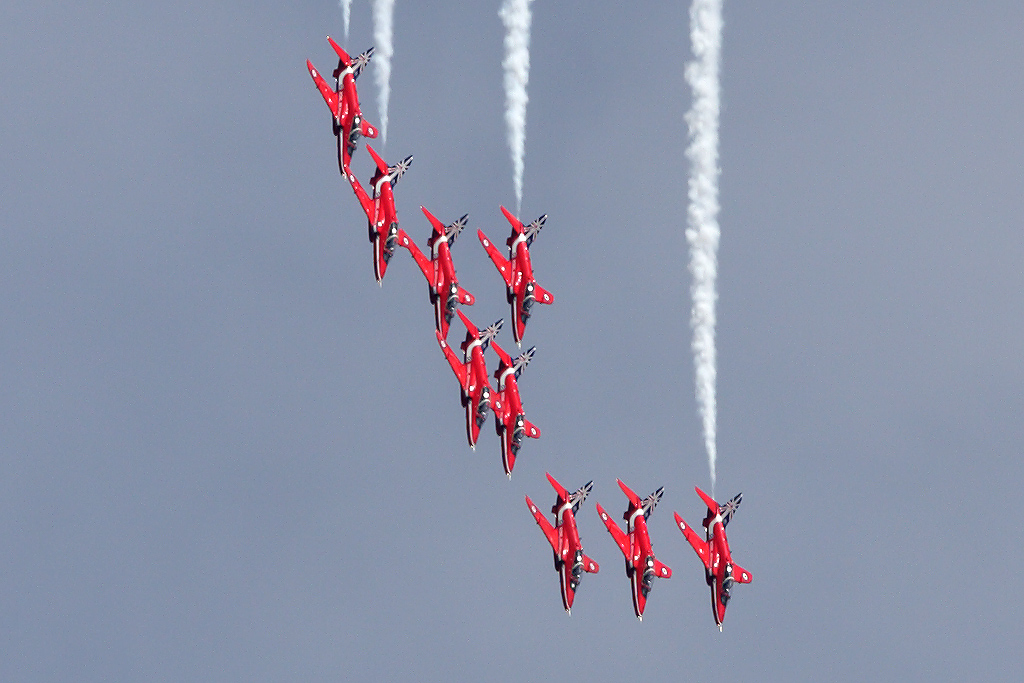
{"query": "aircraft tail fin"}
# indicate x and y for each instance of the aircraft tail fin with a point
(360, 62)
(533, 229)
(523, 360)
(398, 170)
(490, 333)
(729, 509)
(651, 501)
(580, 495)
(455, 228)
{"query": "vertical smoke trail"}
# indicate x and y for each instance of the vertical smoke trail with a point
(702, 217)
(383, 18)
(515, 14)
(346, 11)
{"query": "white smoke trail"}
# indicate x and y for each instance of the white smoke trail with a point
(383, 19)
(702, 230)
(515, 14)
(346, 11)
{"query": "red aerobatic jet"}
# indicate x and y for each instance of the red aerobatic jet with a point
(343, 102)
(720, 571)
(641, 564)
(445, 292)
(509, 420)
(522, 290)
(380, 211)
(570, 562)
(472, 374)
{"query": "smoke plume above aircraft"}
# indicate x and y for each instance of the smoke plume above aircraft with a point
(702, 230)
(383, 20)
(346, 13)
(515, 15)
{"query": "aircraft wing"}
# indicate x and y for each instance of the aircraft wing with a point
(499, 406)
(615, 531)
(589, 565)
(699, 544)
(500, 262)
(458, 367)
(465, 297)
(740, 574)
(662, 570)
(544, 524)
(542, 295)
(364, 199)
(531, 430)
(326, 91)
(422, 261)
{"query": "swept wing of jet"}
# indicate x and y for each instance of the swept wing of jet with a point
(382, 219)
(443, 286)
(720, 572)
(641, 565)
(570, 561)
(343, 101)
(509, 418)
(522, 289)
(472, 374)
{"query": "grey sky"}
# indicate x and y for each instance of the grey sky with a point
(226, 454)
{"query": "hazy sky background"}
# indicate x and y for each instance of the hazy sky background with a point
(227, 454)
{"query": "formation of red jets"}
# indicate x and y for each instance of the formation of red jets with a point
(477, 395)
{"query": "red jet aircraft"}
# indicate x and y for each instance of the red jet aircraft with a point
(509, 420)
(641, 564)
(445, 292)
(720, 571)
(570, 562)
(522, 290)
(472, 374)
(343, 102)
(380, 211)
